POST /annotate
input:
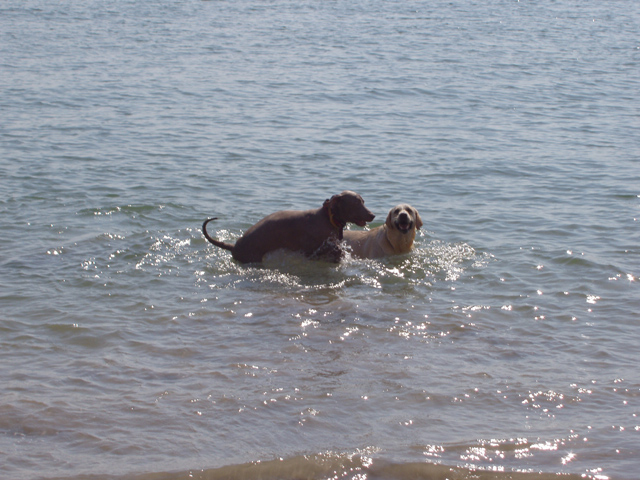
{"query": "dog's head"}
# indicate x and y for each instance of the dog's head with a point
(349, 207)
(404, 219)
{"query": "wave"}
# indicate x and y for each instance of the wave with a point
(358, 465)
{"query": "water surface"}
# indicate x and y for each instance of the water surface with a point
(504, 346)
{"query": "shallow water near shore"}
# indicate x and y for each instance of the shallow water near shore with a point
(503, 347)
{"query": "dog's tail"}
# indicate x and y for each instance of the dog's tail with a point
(217, 243)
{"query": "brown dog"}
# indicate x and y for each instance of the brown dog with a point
(396, 236)
(312, 232)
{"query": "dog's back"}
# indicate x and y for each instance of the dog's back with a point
(368, 243)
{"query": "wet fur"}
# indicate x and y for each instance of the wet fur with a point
(316, 233)
(395, 237)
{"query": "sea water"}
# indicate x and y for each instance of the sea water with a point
(504, 346)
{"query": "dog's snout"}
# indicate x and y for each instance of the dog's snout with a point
(404, 217)
(367, 214)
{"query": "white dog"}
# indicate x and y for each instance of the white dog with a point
(395, 237)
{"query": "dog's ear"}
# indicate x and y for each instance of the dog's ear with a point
(389, 220)
(418, 219)
(333, 201)
(335, 206)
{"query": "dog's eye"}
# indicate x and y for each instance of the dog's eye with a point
(396, 211)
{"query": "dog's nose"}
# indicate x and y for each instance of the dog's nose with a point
(404, 217)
